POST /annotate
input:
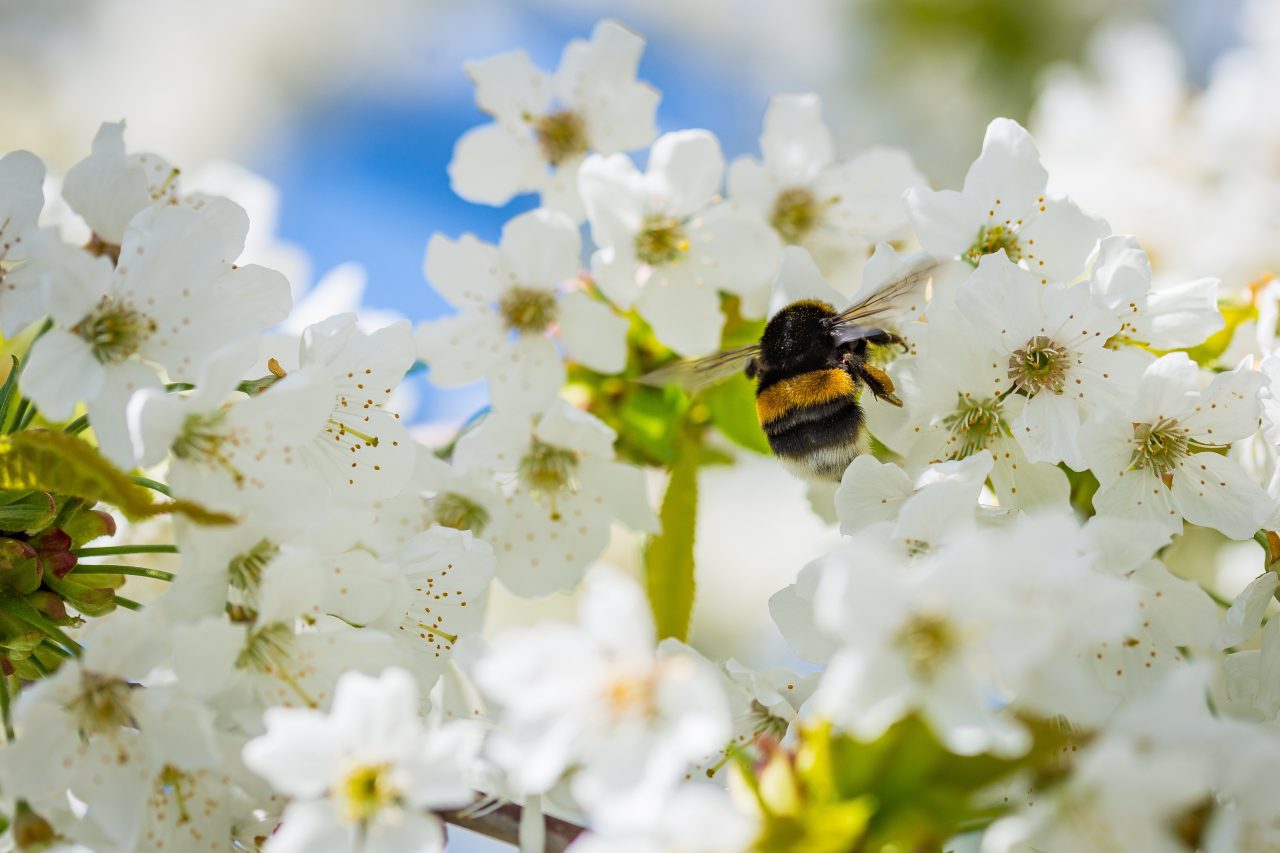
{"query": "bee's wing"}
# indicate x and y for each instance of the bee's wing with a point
(902, 297)
(697, 373)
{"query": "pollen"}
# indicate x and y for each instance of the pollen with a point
(528, 310)
(114, 330)
(1040, 365)
(795, 214)
(561, 136)
(991, 240)
(661, 240)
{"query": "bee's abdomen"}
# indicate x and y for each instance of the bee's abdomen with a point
(812, 421)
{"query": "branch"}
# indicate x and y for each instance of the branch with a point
(503, 824)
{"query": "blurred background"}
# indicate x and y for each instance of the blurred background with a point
(1157, 114)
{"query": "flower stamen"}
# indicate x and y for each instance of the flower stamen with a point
(528, 310)
(661, 240)
(1040, 365)
(561, 135)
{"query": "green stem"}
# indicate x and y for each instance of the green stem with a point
(154, 485)
(179, 386)
(127, 603)
(9, 735)
(111, 550)
(77, 426)
(24, 612)
(112, 569)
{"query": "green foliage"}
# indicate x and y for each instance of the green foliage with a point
(903, 791)
(63, 464)
(732, 406)
(668, 557)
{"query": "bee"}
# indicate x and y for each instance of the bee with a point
(810, 367)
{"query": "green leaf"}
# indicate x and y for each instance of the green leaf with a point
(732, 404)
(668, 558)
(7, 389)
(19, 568)
(29, 513)
(92, 595)
(63, 464)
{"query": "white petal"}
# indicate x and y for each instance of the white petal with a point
(796, 142)
(1245, 615)
(1048, 430)
(105, 188)
(871, 491)
(1214, 491)
(155, 421)
(946, 222)
(462, 348)
(107, 408)
(564, 425)
(735, 252)
(684, 316)
(1182, 315)
(541, 249)
(492, 163)
(613, 191)
(593, 334)
(60, 372)
(685, 171)
(542, 550)
(615, 274)
(1229, 409)
(466, 271)
(623, 488)
(871, 188)
(1008, 169)
(530, 378)
(750, 186)
(509, 86)
(1058, 242)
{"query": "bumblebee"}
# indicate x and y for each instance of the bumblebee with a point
(810, 368)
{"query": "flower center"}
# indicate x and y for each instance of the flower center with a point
(560, 135)
(367, 790)
(451, 509)
(991, 240)
(546, 469)
(269, 651)
(527, 309)
(245, 570)
(114, 331)
(632, 694)
(973, 426)
(926, 641)
(1159, 447)
(103, 704)
(1039, 366)
(662, 240)
(795, 213)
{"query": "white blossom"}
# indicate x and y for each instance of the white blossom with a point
(544, 124)
(836, 209)
(666, 246)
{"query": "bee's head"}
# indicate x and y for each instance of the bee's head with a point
(798, 336)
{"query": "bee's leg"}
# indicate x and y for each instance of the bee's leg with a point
(752, 368)
(884, 338)
(879, 383)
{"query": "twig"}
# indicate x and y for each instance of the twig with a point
(503, 824)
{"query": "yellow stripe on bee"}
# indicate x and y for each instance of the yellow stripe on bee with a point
(807, 389)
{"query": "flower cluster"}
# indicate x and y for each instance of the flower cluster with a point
(995, 653)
